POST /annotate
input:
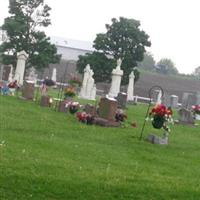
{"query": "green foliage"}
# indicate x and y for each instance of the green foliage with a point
(148, 63)
(49, 155)
(21, 28)
(124, 40)
(166, 66)
(101, 65)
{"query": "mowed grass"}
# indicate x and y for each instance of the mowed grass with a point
(49, 155)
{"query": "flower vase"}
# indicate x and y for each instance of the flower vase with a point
(158, 121)
(197, 116)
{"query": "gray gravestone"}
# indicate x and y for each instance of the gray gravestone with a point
(5, 72)
(1, 72)
(173, 101)
(90, 109)
(185, 116)
(166, 100)
(122, 99)
(188, 100)
(154, 139)
(198, 98)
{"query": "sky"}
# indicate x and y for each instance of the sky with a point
(172, 25)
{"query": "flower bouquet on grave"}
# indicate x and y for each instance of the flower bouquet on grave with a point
(69, 92)
(120, 116)
(161, 116)
(72, 106)
(196, 111)
(85, 118)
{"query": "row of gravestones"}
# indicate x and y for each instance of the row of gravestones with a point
(186, 116)
(105, 115)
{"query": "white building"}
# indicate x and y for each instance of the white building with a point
(71, 49)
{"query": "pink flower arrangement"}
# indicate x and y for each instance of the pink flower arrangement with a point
(85, 117)
(196, 109)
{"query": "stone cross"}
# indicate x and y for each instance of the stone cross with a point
(116, 80)
(21, 61)
(130, 90)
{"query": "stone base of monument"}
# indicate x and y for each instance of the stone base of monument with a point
(104, 122)
(154, 139)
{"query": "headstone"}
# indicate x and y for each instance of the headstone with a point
(90, 109)
(159, 97)
(32, 75)
(10, 76)
(188, 100)
(1, 72)
(46, 101)
(53, 78)
(185, 116)
(116, 80)
(21, 61)
(88, 89)
(198, 98)
(173, 101)
(130, 90)
(6, 69)
(28, 90)
(108, 108)
(166, 100)
(122, 99)
(62, 106)
(154, 139)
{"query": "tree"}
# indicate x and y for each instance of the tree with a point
(166, 66)
(23, 34)
(124, 40)
(101, 65)
(148, 63)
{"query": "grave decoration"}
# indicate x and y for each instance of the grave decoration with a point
(120, 116)
(69, 92)
(196, 111)
(160, 117)
(72, 106)
(85, 117)
(13, 86)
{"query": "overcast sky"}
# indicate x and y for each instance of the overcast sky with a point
(173, 25)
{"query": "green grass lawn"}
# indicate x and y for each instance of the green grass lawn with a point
(47, 155)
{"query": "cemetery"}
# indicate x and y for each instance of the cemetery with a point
(55, 139)
(92, 127)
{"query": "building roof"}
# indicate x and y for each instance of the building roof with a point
(71, 43)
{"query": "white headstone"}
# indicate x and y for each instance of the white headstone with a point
(93, 93)
(159, 97)
(173, 101)
(88, 89)
(21, 61)
(10, 77)
(53, 78)
(130, 90)
(32, 75)
(116, 80)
